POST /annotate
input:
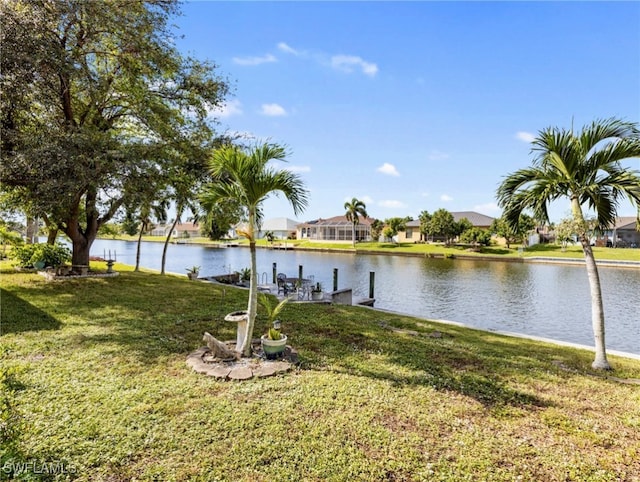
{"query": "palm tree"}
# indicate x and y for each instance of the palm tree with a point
(148, 209)
(585, 168)
(355, 208)
(243, 175)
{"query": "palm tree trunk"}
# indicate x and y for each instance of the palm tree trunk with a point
(166, 244)
(353, 234)
(597, 309)
(252, 306)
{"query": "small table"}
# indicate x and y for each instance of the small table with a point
(301, 286)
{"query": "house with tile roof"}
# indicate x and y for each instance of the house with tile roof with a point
(337, 228)
(411, 234)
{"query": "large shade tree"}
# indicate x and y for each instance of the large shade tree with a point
(443, 224)
(354, 210)
(586, 168)
(243, 175)
(96, 103)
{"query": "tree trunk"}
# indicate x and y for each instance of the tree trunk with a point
(353, 234)
(52, 235)
(32, 230)
(81, 241)
(252, 306)
(52, 230)
(81, 245)
(597, 310)
(166, 244)
(137, 268)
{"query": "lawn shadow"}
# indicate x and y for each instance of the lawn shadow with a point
(137, 315)
(18, 315)
(444, 362)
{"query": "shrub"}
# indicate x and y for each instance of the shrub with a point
(29, 255)
(476, 236)
(22, 254)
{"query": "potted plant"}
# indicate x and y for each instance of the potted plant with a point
(316, 292)
(273, 342)
(245, 276)
(193, 272)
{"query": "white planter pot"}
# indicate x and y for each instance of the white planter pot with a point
(272, 348)
(317, 295)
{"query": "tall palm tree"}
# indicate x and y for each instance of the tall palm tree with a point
(584, 167)
(148, 209)
(243, 175)
(355, 209)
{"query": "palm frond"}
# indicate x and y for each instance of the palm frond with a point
(245, 176)
(604, 129)
(586, 167)
(609, 156)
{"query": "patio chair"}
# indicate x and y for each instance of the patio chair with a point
(283, 286)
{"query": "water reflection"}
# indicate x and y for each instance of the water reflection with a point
(538, 299)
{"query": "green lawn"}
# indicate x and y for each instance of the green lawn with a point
(95, 379)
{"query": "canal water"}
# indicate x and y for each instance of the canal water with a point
(546, 300)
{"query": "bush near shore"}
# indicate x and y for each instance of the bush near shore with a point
(94, 378)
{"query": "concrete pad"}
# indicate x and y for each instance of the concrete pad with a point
(240, 373)
(264, 371)
(201, 367)
(281, 366)
(218, 371)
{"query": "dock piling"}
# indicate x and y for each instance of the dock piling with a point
(372, 283)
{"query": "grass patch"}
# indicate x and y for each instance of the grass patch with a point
(94, 377)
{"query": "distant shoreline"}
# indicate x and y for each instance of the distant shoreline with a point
(478, 257)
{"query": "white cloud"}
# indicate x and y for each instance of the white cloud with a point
(391, 203)
(388, 169)
(525, 136)
(446, 198)
(233, 107)
(344, 63)
(273, 110)
(287, 48)
(425, 194)
(436, 155)
(488, 208)
(254, 60)
(347, 63)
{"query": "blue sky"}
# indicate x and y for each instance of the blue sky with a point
(413, 106)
